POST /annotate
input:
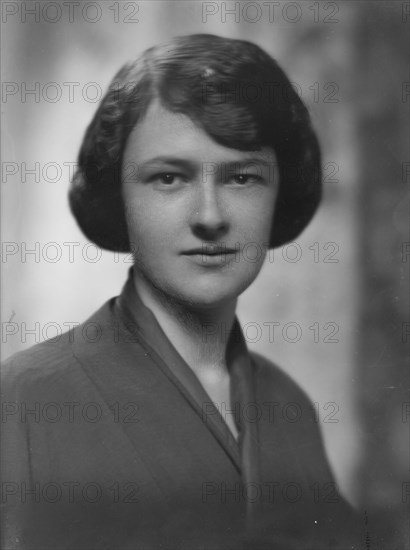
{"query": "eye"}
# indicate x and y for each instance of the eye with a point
(244, 179)
(168, 178)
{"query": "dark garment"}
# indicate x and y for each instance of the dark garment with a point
(111, 442)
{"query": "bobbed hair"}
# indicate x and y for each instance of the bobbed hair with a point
(230, 88)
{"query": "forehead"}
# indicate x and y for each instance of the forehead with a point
(164, 133)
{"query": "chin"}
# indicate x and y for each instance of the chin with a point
(207, 295)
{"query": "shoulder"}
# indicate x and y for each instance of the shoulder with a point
(38, 366)
(49, 365)
(274, 380)
(290, 420)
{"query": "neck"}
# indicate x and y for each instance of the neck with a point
(200, 335)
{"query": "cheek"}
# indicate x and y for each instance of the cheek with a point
(132, 207)
(256, 219)
(150, 229)
(266, 211)
(140, 222)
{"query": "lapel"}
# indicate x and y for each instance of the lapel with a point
(135, 360)
(126, 369)
(137, 320)
(157, 415)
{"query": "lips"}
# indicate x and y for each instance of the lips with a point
(210, 250)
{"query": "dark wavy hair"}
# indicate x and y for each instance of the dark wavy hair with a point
(233, 90)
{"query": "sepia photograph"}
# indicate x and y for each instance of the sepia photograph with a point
(205, 251)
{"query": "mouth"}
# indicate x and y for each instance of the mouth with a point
(211, 255)
(210, 250)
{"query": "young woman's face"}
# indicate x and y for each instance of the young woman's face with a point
(199, 214)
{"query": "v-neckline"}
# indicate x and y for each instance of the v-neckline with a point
(141, 322)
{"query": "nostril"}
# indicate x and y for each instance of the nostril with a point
(210, 231)
(209, 219)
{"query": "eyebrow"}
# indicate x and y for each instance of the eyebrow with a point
(174, 161)
(183, 163)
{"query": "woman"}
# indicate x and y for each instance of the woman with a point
(151, 425)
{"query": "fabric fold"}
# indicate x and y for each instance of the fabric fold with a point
(141, 321)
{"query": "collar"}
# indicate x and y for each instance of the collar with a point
(137, 316)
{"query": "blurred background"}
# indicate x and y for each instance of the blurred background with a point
(338, 297)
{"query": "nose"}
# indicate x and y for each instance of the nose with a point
(209, 219)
